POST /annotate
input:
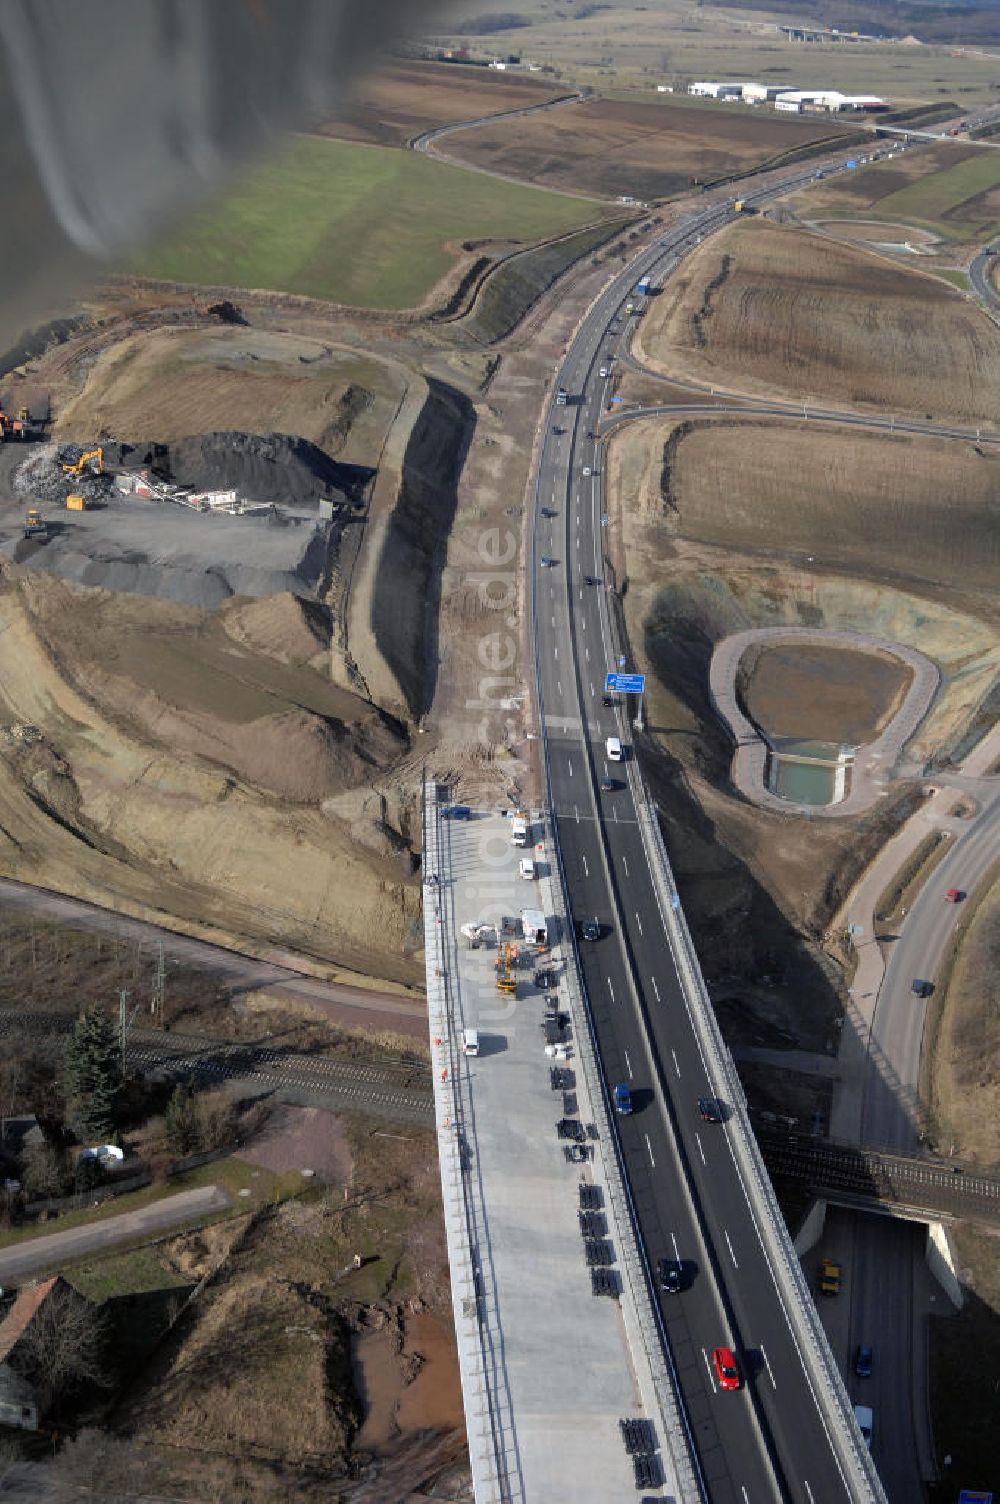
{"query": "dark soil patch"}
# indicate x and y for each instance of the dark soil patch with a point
(821, 694)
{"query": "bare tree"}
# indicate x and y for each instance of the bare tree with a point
(62, 1348)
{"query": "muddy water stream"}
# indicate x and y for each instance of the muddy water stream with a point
(433, 1400)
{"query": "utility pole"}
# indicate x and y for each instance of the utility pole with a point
(122, 1023)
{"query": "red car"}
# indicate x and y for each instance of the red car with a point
(725, 1368)
(954, 895)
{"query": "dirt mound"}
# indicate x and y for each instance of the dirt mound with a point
(285, 627)
(276, 467)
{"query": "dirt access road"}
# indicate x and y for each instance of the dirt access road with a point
(349, 1007)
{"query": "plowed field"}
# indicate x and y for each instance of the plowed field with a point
(405, 98)
(778, 311)
(611, 147)
(918, 509)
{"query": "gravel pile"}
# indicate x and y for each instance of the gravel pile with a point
(273, 467)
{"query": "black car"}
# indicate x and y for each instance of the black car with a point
(670, 1276)
(608, 785)
(591, 579)
(590, 930)
(548, 512)
(608, 701)
(710, 1109)
(921, 988)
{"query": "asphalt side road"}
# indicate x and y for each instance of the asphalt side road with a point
(25, 1260)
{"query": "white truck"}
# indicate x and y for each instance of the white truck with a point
(519, 828)
(534, 928)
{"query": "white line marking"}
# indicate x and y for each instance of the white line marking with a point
(638, 921)
(587, 651)
(586, 869)
(711, 1375)
(805, 1485)
(655, 988)
(569, 764)
(650, 1149)
(767, 1365)
(625, 865)
(553, 623)
(677, 1252)
(743, 1491)
(559, 685)
(628, 1065)
(576, 811)
(555, 652)
(697, 1139)
(676, 1066)
(730, 1247)
(611, 990)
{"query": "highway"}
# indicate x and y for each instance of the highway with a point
(979, 276)
(889, 1112)
(771, 1440)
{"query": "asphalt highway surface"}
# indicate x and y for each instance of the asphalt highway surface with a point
(979, 276)
(769, 1440)
(889, 1114)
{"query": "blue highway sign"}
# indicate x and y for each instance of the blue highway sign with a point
(625, 684)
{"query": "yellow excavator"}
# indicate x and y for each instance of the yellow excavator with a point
(505, 963)
(80, 465)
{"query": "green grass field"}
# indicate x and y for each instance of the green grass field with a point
(360, 225)
(937, 200)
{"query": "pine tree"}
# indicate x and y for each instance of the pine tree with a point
(93, 1075)
(182, 1121)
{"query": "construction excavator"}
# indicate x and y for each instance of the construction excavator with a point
(506, 962)
(84, 463)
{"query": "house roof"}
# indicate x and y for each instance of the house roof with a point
(23, 1312)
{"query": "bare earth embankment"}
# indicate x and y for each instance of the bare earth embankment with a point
(783, 312)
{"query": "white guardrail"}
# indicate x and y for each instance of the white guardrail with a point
(485, 1391)
(790, 1282)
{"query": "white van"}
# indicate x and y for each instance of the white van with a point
(527, 868)
(613, 747)
(470, 1041)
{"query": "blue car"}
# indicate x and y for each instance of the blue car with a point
(457, 812)
(863, 1362)
(623, 1098)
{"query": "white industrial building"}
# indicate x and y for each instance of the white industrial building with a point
(798, 101)
(762, 93)
(707, 90)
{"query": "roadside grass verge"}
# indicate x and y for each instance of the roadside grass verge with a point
(957, 278)
(900, 893)
(136, 1271)
(361, 225)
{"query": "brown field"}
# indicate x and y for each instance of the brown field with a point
(773, 310)
(405, 98)
(611, 147)
(916, 509)
(807, 691)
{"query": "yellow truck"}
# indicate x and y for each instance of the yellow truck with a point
(76, 503)
(829, 1277)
